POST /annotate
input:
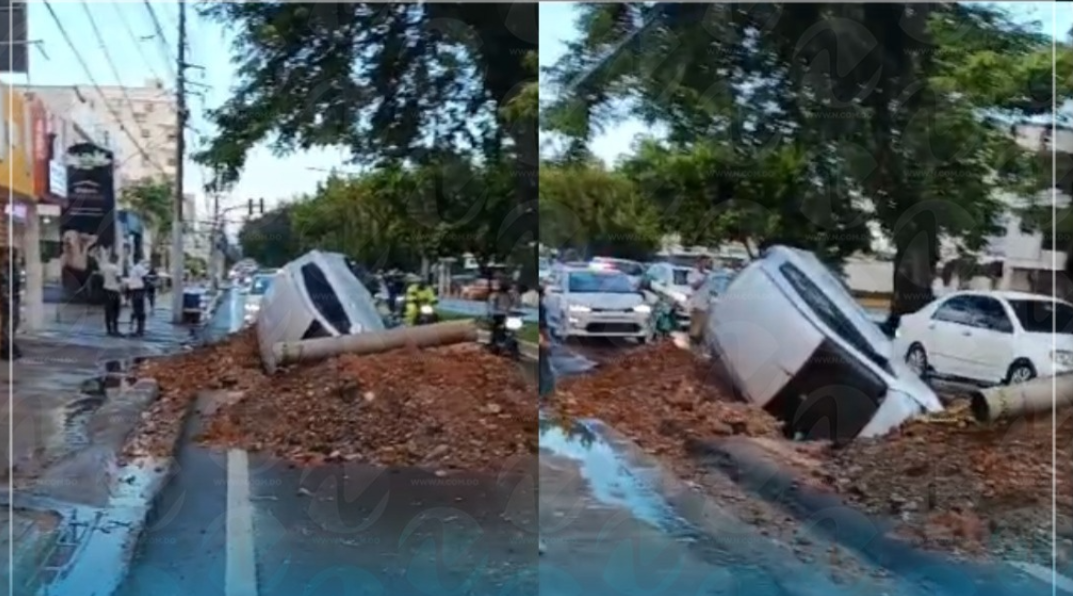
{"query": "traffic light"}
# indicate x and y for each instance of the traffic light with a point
(250, 207)
(260, 205)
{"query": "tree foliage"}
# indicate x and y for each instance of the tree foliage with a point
(390, 82)
(396, 217)
(803, 123)
(153, 199)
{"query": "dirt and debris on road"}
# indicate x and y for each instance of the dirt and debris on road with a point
(455, 407)
(966, 487)
(657, 395)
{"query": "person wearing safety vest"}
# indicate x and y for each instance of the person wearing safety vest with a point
(418, 294)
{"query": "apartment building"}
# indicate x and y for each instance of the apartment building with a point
(147, 112)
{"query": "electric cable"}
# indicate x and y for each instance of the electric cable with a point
(93, 81)
(111, 64)
(134, 38)
(163, 39)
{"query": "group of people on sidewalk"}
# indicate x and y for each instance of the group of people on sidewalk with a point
(137, 287)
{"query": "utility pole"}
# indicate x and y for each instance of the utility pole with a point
(216, 237)
(177, 265)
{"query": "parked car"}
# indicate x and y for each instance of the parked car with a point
(795, 342)
(989, 337)
(478, 289)
(672, 283)
(583, 302)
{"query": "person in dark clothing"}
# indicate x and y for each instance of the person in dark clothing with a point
(152, 279)
(135, 285)
(546, 375)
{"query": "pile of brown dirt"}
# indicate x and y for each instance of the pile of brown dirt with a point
(659, 395)
(966, 487)
(454, 407)
(232, 363)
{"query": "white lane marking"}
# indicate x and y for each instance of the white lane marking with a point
(240, 577)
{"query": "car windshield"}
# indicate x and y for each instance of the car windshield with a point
(602, 283)
(1043, 316)
(681, 277)
(260, 286)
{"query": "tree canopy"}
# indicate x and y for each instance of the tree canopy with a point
(803, 123)
(396, 217)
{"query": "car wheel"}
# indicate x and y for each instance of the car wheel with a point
(1020, 371)
(917, 359)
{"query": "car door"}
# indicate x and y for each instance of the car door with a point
(945, 335)
(989, 344)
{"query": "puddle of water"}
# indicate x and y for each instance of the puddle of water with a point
(612, 479)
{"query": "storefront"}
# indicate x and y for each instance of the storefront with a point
(18, 185)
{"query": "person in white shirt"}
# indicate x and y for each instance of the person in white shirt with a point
(136, 287)
(109, 272)
(699, 300)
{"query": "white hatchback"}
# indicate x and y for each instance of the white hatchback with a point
(989, 337)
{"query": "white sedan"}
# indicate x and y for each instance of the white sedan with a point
(989, 337)
(582, 302)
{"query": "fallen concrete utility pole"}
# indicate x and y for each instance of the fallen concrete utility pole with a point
(1038, 396)
(424, 336)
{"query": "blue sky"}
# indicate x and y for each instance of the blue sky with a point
(557, 26)
(138, 60)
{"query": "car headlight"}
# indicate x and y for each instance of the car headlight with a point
(426, 310)
(1062, 357)
(642, 308)
(514, 323)
(579, 308)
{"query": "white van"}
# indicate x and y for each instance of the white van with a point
(795, 342)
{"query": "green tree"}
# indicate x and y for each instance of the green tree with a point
(590, 209)
(269, 239)
(380, 79)
(153, 200)
(827, 116)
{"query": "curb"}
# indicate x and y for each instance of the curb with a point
(751, 467)
(138, 486)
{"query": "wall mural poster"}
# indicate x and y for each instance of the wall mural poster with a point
(87, 220)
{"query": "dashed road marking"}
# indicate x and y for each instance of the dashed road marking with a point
(240, 577)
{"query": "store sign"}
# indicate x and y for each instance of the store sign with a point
(16, 154)
(57, 179)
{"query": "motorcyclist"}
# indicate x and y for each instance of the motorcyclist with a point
(500, 305)
(419, 294)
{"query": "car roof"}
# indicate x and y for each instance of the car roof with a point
(616, 260)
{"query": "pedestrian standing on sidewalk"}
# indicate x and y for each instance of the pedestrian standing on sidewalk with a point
(135, 284)
(109, 271)
(8, 309)
(699, 301)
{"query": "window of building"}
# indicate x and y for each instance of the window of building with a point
(148, 107)
(171, 162)
(145, 134)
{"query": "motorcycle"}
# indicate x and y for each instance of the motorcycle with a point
(504, 340)
(426, 315)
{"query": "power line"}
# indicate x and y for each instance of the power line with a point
(93, 81)
(163, 39)
(134, 38)
(111, 64)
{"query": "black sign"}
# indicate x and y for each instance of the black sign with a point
(88, 219)
(14, 49)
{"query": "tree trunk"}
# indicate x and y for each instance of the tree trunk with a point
(914, 270)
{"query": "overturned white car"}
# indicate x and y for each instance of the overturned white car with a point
(795, 342)
(317, 295)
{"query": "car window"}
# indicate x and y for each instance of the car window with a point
(584, 282)
(990, 314)
(1043, 316)
(957, 309)
(681, 277)
(633, 269)
(260, 286)
(828, 312)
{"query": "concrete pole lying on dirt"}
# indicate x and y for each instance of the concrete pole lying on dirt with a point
(424, 336)
(1037, 396)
